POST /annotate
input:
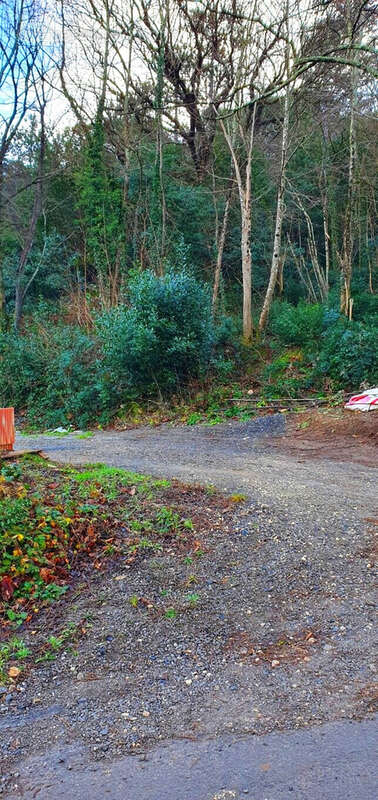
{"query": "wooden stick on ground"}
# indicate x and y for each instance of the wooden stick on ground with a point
(12, 454)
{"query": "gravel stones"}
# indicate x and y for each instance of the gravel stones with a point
(286, 563)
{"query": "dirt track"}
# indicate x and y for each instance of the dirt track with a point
(332, 435)
(266, 458)
(287, 579)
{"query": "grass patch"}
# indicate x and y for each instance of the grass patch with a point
(58, 521)
(13, 651)
(58, 434)
(112, 480)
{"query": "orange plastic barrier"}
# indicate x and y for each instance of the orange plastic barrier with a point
(7, 431)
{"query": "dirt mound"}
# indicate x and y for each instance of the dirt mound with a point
(334, 434)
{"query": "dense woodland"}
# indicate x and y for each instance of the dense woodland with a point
(188, 196)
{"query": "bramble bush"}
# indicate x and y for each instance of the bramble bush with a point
(31, 537)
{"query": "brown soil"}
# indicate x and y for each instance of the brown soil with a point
(334, 434)
(286, 649)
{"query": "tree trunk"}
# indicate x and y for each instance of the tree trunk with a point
(220, 248)
(275, 266)
(159, 200)
(18, 306)
(276, 256)
(326, 240)
(2, 293)
(21, 291)
(2, 298)
(246, 266)
(126, 124)
(370, 270)
(324, 191)
(346, 259)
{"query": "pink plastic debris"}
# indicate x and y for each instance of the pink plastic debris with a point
(368, 401)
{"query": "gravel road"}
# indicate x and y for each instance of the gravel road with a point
(279, 643)
(233, 456)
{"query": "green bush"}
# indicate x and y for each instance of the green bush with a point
(289, 375)
(165, 338)
(54, 373)
(365, 308)
(71, 394)
(296, 325)
(334, 352)
(23, 363)
(348, 355)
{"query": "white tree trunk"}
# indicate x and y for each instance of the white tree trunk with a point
(326, 239)
(275, 265)
(346, 262)
(244, 187)
(221, 238)
(246, 266)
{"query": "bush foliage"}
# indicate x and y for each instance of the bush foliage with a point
(162, 339)
(335, 353)
(296, 325)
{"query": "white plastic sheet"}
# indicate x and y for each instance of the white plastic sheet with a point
(366, 401)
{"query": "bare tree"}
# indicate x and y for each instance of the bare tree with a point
(276, 255)
(346, 256)
(20, 45)
(200, 57)
(245, 198)
(21, 286)
(220, 240)
(185, 70)
(259, 66)
(316, 45)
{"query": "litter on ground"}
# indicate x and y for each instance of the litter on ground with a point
(368, 401)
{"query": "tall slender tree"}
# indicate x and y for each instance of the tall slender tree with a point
(20, 48)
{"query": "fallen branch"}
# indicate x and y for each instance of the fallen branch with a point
(264, 402)
(14, 454)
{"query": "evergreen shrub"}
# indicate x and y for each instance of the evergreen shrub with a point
(296, 325)
(162, 340)
(335, 352)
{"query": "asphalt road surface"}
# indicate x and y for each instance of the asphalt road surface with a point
(328, 762)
